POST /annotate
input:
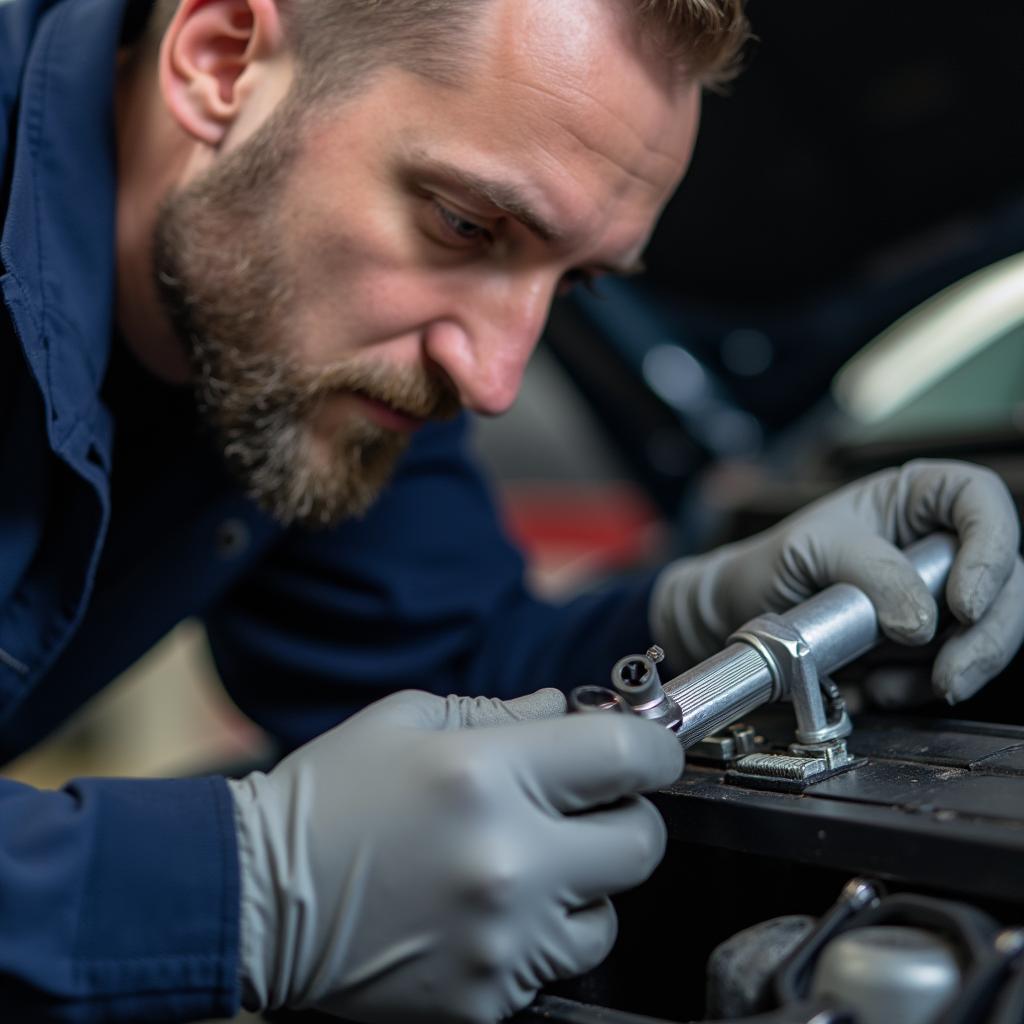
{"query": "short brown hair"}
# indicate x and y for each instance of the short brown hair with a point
(338, 41)
(705, 37)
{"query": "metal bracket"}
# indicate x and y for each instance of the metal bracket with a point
(734, 742)
(820, 748)
(792, 663)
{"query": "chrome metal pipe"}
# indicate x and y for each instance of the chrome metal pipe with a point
(839, 624)
(719, 691)
(836, 626)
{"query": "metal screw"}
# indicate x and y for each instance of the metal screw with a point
(859, 892)
(655, 653)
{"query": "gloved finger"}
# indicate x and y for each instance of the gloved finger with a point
(611, 850)
(906, 610)
(986, 521)
(974, 654)
(582, 761)
(414, 709)
(475, 712)
(587, 937)
(566, 944)
(419, 710)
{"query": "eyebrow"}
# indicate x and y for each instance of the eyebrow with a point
(513, 201)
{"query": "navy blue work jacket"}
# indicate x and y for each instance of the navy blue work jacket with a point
(119, 898)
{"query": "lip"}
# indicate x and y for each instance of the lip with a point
(386, 416)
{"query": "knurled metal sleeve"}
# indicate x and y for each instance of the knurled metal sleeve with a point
(719, 691)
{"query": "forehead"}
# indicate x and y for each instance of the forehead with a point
(557, 109)
(571, 88)
(556, 100)
(581, 64)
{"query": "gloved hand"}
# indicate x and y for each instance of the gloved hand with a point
(853, 536)
(403, 868)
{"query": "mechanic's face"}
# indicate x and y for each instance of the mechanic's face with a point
(395, 257)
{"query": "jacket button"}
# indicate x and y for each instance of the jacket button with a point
(232, 538)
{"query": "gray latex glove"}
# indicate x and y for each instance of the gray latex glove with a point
(852, 536)
(401, 867)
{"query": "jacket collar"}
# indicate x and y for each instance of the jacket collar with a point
(58, 237)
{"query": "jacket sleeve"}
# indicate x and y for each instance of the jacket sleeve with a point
(119, 901)
(425, 592)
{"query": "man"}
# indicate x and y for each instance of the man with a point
(338, 220)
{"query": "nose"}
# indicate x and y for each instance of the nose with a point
(483, 345)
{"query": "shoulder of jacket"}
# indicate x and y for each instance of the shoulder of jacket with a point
(19, 20)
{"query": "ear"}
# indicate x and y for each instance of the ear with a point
(209, 58)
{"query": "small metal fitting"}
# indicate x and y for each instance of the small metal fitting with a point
(834, 753)
(636, 681)
(595, 698)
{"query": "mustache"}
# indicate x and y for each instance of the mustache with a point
(416, 393)
(252, 386)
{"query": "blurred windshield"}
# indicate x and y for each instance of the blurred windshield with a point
(954, 366)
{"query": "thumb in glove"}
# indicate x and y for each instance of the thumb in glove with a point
(475, 712)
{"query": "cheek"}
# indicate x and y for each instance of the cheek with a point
(364, 272)
(357, 274)
(364, 304)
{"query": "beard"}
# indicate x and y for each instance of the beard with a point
(228, 290)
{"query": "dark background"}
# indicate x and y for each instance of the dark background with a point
(870, 154)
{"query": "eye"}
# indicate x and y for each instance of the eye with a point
(460, 228)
